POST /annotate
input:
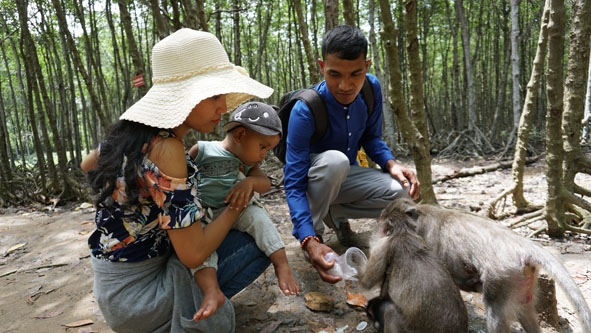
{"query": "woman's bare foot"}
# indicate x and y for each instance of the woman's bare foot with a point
(212, 300)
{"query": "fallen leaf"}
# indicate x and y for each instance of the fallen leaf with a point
(85, 205)
(12, 271)
(271, 327)
(250, 303)
(34, 295)
(34, 290)
(318, 301)
(357, 300)
(582, 270)
(32, 298)
(15, 247)
(79, 323)
(47, 314)
(50, 266)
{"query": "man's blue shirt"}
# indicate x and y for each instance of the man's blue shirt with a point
(350, 127)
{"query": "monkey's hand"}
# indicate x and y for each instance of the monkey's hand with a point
(317, 252)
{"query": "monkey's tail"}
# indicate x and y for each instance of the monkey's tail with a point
(557, 270)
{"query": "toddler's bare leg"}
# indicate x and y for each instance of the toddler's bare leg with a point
(213, 298)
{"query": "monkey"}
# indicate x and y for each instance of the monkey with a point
(376, 309)
(489, 258)
(417, 293)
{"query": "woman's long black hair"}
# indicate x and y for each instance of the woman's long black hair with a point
(126, 139)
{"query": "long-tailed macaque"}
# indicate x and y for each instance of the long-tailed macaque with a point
(417, 292)
(484, 256)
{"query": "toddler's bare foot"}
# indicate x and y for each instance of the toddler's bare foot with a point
(212, 300)
(287, 282)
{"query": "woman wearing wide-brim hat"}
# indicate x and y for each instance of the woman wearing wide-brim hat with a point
(148, 235)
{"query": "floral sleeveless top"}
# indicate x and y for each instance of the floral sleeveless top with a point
(138, 232)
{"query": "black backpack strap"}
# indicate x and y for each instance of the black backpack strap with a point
(318, 109)
(367, 94)
(316, 105)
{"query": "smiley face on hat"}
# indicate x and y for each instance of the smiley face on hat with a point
(259, 117)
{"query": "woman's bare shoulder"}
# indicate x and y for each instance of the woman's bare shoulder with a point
(168, 155)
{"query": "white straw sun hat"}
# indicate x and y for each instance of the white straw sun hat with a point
(190, 66)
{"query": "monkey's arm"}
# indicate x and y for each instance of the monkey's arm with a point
(375, 269)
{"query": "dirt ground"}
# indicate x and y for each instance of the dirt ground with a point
(46, 280)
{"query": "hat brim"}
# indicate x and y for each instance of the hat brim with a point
(257, 128)
(168, 104)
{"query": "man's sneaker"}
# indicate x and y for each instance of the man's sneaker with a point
(328, 221)
(345, 235)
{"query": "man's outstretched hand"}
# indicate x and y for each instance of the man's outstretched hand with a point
(317, 252)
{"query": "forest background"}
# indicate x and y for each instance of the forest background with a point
(463, 79)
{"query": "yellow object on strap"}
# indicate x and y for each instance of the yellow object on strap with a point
(362, 159)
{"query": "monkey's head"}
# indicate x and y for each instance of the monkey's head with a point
(399, 215)
(403, 207)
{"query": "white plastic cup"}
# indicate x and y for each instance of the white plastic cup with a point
(348, 265)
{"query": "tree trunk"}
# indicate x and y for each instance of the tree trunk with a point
(190, 14)
(587, 120)
(122, 75)
(66, 115)
(94, 98)
(303, 27)
(515, 70)
(6, 187)
(349, 12)
(555, 92)
(263, 37)
(236, 20)
(457, 111)
(501, 95)
(161, 26)
(575, 160)
(389, 132)
(201, 15)
(529, 105)
(459, 6)
(18, 145)
(93, 59)
(134, 53)
(422, 157)
(27, 51)
(411, 134)
(60, 181)
(331, 14)
(21, 145)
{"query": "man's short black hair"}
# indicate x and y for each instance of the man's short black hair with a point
(344, 41)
